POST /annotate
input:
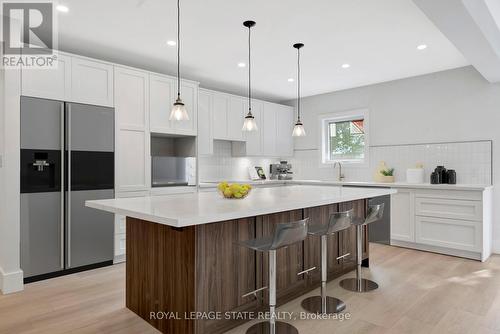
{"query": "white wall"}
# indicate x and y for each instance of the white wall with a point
(454, 105)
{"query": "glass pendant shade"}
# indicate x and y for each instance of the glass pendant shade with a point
(298, 130)
(179, 111)
(249, 124)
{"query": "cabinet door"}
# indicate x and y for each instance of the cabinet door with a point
(290, 260)
(131, 91)
(205, 138)
(132, 141)
(312, 245)
(133, 162)
(284, 128)
(220, 113)
(189, 95)
(235, 118)
(91, 82)
(269, 130)
(161, 95)
(403, 215)
(254, 138)
(52, 84)
(227, 271)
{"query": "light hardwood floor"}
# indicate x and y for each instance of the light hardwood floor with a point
(419, 293)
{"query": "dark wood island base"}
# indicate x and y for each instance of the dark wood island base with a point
(176, 276)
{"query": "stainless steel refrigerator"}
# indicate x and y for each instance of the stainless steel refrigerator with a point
(67, 157)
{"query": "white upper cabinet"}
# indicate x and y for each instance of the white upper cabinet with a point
(220, 103)
(91, 82)
(75, 79)
(235, 117)
(269, 130)
(254, 138)
(132, 100)
(205, 136)
(275, 123)
(161, 96)
(284, 128)
(163, 92)
(189, 95)
(133, 171)
(52, 84)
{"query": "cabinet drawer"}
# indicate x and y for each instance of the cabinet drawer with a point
(449, 233)
(449, 208)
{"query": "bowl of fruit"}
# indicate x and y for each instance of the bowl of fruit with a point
(234, 191)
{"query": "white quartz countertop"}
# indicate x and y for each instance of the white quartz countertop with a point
(208, 207)
(475, 187)
(472, 187)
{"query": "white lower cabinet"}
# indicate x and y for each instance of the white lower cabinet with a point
(443, 221)
(403, 216)
(449, 233)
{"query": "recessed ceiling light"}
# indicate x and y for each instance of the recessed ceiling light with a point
(242, 64)
(291, 79)
(62, 8)
(422, 47)
(172, 43)
(346, 65)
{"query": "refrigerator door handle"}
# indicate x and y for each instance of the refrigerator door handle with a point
(62, 186)
(68, 194)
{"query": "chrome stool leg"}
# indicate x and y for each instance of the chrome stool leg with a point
(272, 326)
(323, 304)
(359, 284)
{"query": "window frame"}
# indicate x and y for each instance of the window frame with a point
(324, 142)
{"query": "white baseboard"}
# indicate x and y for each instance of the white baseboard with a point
(11, 282)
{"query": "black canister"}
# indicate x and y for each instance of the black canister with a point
(435, 178)
(451, 176)
(442, 174)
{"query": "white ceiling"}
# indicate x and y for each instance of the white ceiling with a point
(378, 38)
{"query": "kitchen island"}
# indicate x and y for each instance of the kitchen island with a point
(185, 272)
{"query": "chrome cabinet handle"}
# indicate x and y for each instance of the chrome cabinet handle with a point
(68, 202)
(307, 271)
(62, 185)
(343, 256)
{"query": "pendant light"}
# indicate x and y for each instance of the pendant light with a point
(179, 112)
(249, 124)
(298, 129)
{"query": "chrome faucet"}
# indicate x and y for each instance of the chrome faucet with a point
(340, 176)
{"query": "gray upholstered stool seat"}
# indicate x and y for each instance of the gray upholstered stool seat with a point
(286, 234)
(359, 284)
(325, 304)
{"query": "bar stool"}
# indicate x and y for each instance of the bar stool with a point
(359, 284)
(285, 235)
(325, 304)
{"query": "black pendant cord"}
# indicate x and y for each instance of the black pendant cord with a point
(178, 49)
(249, 73)
(298, 85)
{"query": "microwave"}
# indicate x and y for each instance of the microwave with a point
(173, 171)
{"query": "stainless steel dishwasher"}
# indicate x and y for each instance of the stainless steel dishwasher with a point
(380, 232)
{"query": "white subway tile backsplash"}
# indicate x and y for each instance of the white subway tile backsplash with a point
(471, 160)
(223, 166)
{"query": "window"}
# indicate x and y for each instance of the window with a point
(344, 137)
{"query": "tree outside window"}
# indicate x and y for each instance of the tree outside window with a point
(346, 140)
